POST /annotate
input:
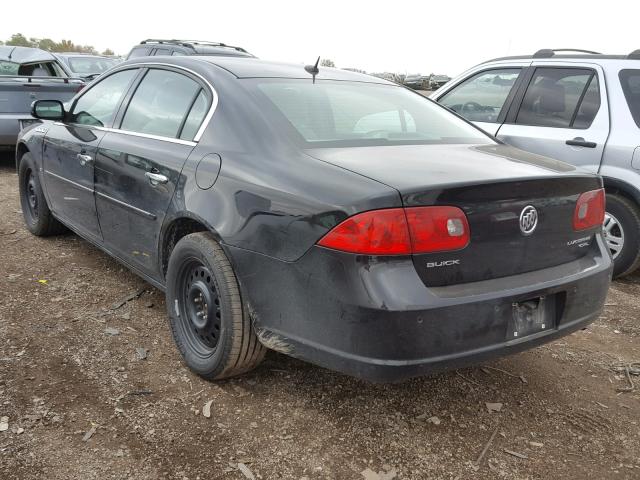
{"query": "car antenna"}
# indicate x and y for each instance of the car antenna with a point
(313, 69)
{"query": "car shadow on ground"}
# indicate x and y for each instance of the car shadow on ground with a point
(7, 161)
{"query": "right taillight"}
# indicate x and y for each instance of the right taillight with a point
(589, 211)
(401, 231)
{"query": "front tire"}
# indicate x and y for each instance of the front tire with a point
(35, 210)
(210, 325)
(622, 234)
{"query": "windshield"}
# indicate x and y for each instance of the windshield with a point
(90, 65)
(337, 113)
(8, 68)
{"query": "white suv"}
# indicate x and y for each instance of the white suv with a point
(582, 108)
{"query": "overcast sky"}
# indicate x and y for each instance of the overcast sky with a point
(398, 36)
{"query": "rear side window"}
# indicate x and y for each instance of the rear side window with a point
(8, 68)
(630, 81)
(561, 98)
(195, 117)
(481, 97)
(162, 51)
(160, 104)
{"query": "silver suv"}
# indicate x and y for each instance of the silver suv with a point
(580, 107)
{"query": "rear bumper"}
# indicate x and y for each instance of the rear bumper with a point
(376, 320)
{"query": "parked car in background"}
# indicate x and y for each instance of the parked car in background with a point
(390, 77)
(153, 47)
(84, 65)
(26, 75)
(437, 81)
(577, 106)
(417, 81)
(382, 236)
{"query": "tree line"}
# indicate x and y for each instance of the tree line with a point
(19, 40)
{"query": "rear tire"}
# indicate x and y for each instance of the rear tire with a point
(622, 226)
(210, 325)
(37, 216)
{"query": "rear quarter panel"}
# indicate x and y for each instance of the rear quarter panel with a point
(269, 197)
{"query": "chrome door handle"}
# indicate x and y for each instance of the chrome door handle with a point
(156, 178)
(84, 159)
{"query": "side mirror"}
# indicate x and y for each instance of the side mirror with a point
(47, 109)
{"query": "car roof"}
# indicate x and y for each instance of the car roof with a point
(24, 54)
(203, 47)
(80, 54)
(257, 68)
(221, 50)
(549, 54)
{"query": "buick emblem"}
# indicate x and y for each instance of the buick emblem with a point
(528, 220)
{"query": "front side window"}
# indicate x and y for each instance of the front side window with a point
(481, 97)
(337, 113)
(99, 104)
(555, 98)
(630, 81)
(160, 104)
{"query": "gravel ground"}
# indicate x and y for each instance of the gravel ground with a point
(92, 389)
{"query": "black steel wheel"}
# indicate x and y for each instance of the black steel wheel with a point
(199, 307)
(210, 324)
(37, 216)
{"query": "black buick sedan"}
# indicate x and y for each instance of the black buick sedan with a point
(331, 216)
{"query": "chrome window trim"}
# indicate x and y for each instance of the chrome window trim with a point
(148, 135)
(203, 126)
(128, 132)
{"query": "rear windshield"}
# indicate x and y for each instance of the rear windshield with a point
(630, 80)
(343, 114)
(8, 68)
(89, 65)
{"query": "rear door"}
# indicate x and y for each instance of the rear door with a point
(561, 112)
(69, 151)
(139, 164)
(485, 95)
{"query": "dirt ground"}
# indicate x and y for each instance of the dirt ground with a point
(82, 403)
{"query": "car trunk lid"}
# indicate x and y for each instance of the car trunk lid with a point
(493, 185)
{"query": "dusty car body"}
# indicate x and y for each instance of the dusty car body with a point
(294, 211)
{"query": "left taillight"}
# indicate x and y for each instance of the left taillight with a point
(437, 229)
(401, 231)
(589, 210)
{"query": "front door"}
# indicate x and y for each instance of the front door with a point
(562, 114)
(68, 159)
(70, 149)
(484, 96)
